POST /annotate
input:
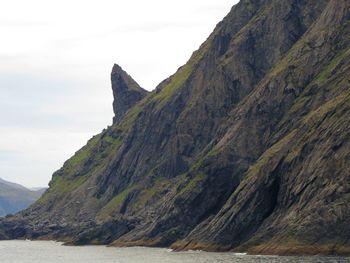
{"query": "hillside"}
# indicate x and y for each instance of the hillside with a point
(246, 147)
(14, 197)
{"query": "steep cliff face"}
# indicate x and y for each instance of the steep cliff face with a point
(246, 147)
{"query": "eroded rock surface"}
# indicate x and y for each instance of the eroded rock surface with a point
(244, 148)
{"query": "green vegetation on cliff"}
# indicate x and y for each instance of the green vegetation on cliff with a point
(246, 147)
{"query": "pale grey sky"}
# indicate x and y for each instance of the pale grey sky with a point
(55, 63)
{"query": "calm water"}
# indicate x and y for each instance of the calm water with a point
(47, 251)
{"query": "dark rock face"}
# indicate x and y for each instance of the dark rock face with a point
(126, 92)
(244, 148)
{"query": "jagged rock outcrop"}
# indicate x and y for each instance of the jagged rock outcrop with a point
(126, 92)
(244, 148)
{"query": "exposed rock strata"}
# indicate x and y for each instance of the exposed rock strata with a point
(244, 148)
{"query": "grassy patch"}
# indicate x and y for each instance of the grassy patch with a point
(80, 156)
(212, 153)
(264, 160)
(115, 204)
(61, 185)
(65, 185)
(77, 170)
(270, 153)
(325, 108)
(180, 77)
(96, 150)
(159, 185)
(327, 72)
(320, 80)
(192, 184)
(130, 117)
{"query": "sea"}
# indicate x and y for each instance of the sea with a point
(54, 252)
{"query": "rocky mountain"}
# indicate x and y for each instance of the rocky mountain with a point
(245, 148)
(126, 92)
(14, 197)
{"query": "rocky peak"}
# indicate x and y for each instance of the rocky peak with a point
(126, 92)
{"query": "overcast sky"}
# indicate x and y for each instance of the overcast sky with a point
(55, 63)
